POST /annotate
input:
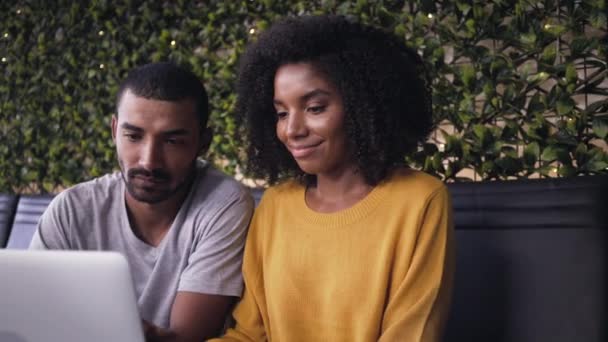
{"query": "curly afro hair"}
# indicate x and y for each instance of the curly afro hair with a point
(384, 88)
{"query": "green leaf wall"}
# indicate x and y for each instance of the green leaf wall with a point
(520, 87)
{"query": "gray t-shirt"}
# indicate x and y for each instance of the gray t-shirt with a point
(202, 252)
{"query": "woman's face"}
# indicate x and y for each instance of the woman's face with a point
(310, 120)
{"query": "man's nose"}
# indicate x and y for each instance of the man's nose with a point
(151, 157)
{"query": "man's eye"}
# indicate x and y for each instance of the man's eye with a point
(173, 141)
(132, 137)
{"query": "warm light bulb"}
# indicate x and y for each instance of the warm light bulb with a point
(252, 30)
(430, 15)
(101, 33)
(3, 59)
(101, 66)
(173, 43)
(6, 35)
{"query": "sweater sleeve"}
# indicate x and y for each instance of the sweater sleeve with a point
(248, 313)
(418, 307)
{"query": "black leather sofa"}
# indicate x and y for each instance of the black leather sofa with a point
(532, 257)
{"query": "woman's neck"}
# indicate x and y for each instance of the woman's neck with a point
(332, 193)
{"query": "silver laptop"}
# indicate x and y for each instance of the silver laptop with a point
(67, 296)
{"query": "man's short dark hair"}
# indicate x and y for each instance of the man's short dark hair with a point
(383, 84)
(167, 82)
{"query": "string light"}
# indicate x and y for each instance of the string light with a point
(101, 33)
(555, 170)
(3, 59)
(173, 43)
(548, 26)
(101, 66)
(252, 30)
(19, 11)
(6, 35)
(430, 16)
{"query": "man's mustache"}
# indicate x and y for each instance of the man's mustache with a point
(156, 174)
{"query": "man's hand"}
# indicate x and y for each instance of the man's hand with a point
(156, 334)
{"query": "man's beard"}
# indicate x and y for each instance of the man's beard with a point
(153, 196)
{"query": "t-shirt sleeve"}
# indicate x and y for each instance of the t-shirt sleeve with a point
(247, 313)
(214, 266)
(53, 226)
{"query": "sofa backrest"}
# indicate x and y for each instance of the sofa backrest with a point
(7, 212)
(532, 258)
(532, 261)
(29, 210)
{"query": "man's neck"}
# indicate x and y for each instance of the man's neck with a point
(151, 222)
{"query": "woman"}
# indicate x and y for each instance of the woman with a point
(351, 245)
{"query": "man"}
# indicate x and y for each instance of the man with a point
(180, 223)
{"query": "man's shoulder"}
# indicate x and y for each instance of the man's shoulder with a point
(104, 184)
(100, 188)
(217, 188)
(282, 193)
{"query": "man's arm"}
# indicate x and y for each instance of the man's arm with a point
(212, 281)
(194, 317)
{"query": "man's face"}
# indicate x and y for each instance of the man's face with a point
(157, 143)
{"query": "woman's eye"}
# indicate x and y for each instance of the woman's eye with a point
(281, 115)
(316, 109)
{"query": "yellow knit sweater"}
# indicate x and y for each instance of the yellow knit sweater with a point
(378, 271)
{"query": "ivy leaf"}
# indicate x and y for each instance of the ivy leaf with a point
(549, 54)
(463, 7)
(468, 75)
(571, 75)
(536, 104)
(600, 127)
(555, 29)
(531, 153)
(564, 105)
(553, 153)
(579, 45)
(581, 154)
(528, 38)
(509, 165)
(567, 171)
(596, 165)
(598, 19)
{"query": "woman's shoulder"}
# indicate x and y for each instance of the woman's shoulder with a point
(414, 182)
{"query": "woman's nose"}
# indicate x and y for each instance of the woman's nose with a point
(296, 125)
